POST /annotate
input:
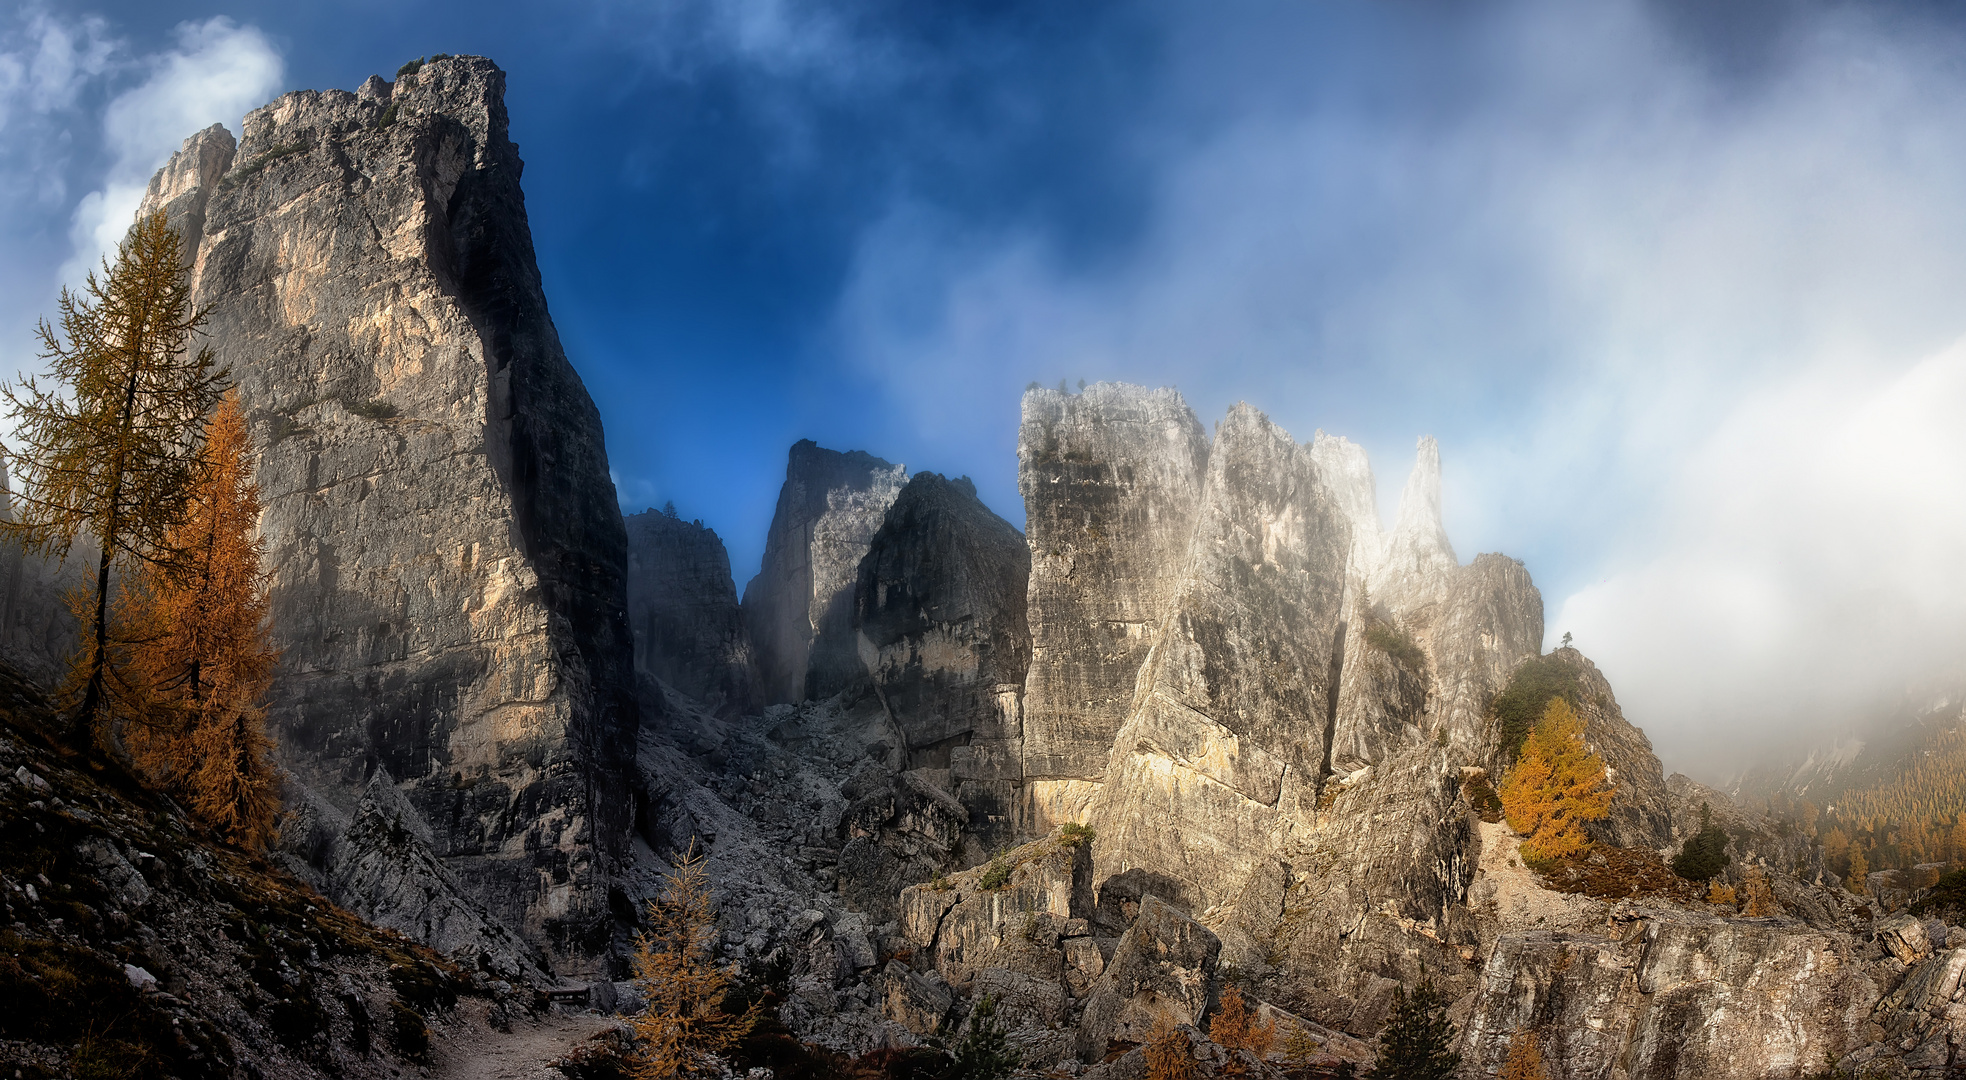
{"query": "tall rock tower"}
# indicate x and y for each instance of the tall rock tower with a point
(446, 551)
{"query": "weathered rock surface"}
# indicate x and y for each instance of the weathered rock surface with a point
(799, 608)
(682, 606)
(940, 610)
(1162, 970)
(446, 554)
(1112, 481)
(1234, 702)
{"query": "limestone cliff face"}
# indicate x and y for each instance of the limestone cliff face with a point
(940, 615)
(446, 553)
(1233, 706)
(1112, 481)
(682, 604)
(799, 609)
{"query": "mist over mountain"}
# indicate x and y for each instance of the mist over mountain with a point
(1091, 540)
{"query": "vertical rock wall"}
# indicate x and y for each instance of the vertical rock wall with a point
(1229, 723)
(446, 552)
(1111, 480)
(942, 633)
(798, 610)
(682, 604)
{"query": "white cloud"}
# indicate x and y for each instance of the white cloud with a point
(217, 71)
(1682, 329)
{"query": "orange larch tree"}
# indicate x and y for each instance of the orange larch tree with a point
(1557, 784)
(685, 1022)
(196, 624)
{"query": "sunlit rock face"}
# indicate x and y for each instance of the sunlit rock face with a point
(682, 604)
(799, 609)
(1233, 708)
(446, 554)
(1112, 481)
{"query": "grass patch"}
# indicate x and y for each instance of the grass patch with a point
(373, 409)
(259, 162)
(1603, 872)
(996, 875)
(1387, 637)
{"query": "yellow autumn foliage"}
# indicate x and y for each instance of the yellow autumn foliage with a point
(1557, 784)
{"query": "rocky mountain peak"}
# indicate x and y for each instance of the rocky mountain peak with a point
(1417, 547)
(446, 555)
(799, 608)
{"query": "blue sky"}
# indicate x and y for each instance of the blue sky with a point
(1678, 291)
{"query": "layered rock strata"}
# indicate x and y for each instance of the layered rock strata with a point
(682, 605)
(446, 554)
(799, 609)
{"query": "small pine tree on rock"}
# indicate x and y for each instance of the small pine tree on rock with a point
(1557, 784)
(1236, 1026)
(684, 1023)
(1859, 870)
(1417, 1040)
(985, 1052)
(1704, 855)
(1169, 1055)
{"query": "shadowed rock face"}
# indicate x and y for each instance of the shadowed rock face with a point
(446, 553)
(689, 631)
(799, 608)
(1112, 481)
(942, 634)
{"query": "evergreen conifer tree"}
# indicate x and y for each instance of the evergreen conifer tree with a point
(1705, 853)
(109, 447)
(984, 1052)
(1556, 785)
(1417, 1040)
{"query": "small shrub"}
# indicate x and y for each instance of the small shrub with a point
(412, 1034)
(1388, 638)
(387, 118)
(434, 57)
(1077, 834)
(1169, 1057)
(375, 409)
(1947, 896)
(997, 874)
(1236, 1027)
(1525, 1058)
(410, 67)
(1721, 894)
(940, 882)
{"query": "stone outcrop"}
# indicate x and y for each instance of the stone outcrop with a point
(1641, 806)
(446, 553)
(1229, 722)
(682, 606)
(799, 609)
(1111, 480)
(940, 615)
